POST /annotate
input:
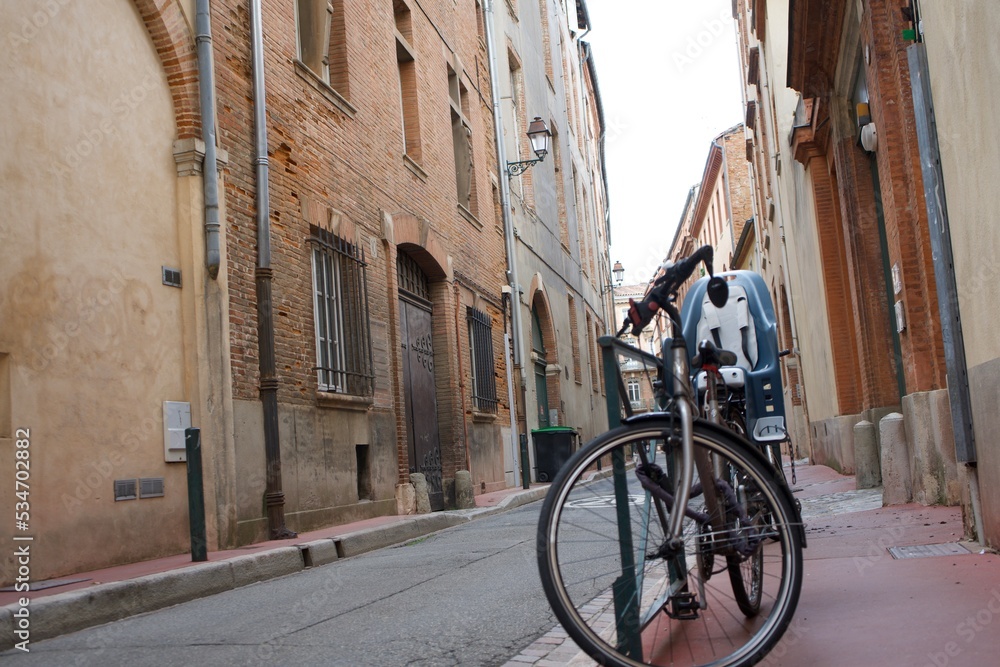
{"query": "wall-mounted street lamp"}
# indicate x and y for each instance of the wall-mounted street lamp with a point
(539, 135)
(619, 273)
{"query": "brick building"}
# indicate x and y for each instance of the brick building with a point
(719, 208)
(380, 140)
(557, 212)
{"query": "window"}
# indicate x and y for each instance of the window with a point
(313, 18)
(595, 357)
(340, 309)
(484, 385)
(322, 41)
(560, 187)
(406, 66)
(634, 394)
(461, 134)
(575, 333)
(598, 325)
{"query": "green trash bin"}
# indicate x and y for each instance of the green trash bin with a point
(553, 447)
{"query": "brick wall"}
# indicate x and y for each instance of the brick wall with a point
(337, 157)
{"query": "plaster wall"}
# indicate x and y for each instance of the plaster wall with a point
(319, 467)
(92, 343)
(962, 54)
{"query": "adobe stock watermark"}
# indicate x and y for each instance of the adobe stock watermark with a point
(697, 44)
(30, 26)
(878, 548)
(303, 612)
(967, 631)
(120, 107)
(57, 341)
(795, 633)
(101, 471)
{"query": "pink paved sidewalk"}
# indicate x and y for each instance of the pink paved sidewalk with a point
(859, 606)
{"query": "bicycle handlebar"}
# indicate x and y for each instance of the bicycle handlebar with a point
(659, 296)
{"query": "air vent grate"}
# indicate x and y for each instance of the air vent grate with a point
(151, 487)
(171, 277)
(929, 550)
(125, 489)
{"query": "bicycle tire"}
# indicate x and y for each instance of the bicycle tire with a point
(746, 574)
(581, 555)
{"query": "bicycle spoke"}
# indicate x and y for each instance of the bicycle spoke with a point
(679, 617)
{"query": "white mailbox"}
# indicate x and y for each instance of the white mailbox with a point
(176, 419)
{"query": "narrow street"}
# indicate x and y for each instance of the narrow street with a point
(470, 595)
(465, 596)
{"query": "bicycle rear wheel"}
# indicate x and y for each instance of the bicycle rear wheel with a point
(627, 601)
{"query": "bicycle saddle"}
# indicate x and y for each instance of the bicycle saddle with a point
(711, 355)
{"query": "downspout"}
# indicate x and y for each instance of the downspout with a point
(461, 376)
(274, 497)
(508, 224)
(209, 170)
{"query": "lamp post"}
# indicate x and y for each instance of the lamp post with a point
(618, 271)
(539, 135)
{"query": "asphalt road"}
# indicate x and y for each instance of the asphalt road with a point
(469, 595)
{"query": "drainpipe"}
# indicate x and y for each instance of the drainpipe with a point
(461, 377)
(209, 170)
(274, 497)
(510, 243)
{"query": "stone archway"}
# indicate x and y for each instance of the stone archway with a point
(545, 362)
(174, 43)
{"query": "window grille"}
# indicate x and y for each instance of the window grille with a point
(340, 307)
(484, 386)
(411, 278)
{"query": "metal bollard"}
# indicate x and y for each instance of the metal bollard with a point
(525, 464)
(196, 495)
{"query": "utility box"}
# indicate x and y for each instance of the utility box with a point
(553, 447)
(176, 419)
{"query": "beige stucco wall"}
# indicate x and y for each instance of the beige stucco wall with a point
(963, 53)
(94, 340)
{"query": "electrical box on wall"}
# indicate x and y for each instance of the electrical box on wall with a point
(176, 419)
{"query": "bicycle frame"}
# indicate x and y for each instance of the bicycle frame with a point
(682, 405)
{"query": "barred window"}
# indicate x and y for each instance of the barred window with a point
(340, 308)
(484, 384)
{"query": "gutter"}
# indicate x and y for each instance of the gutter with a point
(274, 497)
(510, 243)
(210, 170)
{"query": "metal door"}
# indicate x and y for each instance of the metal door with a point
(421, 396)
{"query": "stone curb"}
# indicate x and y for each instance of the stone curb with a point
(60, 614)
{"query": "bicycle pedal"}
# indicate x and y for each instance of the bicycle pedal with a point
(683, 607)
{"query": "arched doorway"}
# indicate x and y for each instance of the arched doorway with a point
(539, 363)
(419, 388)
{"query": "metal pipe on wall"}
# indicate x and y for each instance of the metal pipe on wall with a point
(210, 172)
(508, 224)
(274, 497)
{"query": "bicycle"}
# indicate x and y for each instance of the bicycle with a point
(627, 561)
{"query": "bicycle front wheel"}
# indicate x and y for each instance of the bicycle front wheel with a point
(627, 595)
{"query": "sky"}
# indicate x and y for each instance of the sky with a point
(668, 73)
